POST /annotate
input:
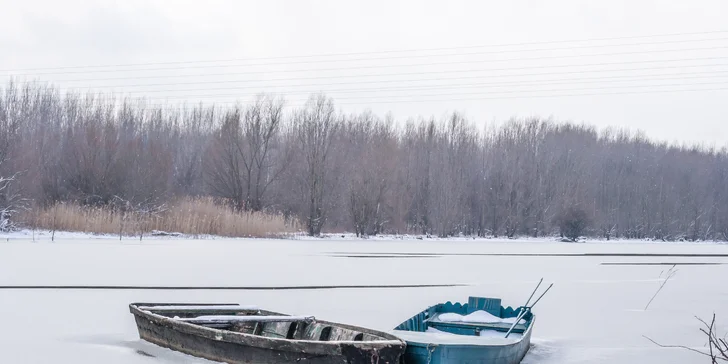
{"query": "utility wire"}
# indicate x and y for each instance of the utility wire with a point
(443, 86)
(388, 81)
(400, 73)
(450, 93)
(543, 96)
(382, 52)
(374, 102)
(540, 58)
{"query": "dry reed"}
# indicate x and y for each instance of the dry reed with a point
(200, 216)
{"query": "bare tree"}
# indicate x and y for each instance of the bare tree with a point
(360, 172)
(372, 166)
(247, 155)
(315, 127)
(226, 174)
(261, 128)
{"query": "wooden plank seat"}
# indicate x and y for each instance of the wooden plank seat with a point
(281, 330)
(316, 332)
(320, 332)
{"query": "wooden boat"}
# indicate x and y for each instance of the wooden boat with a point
(474, 332)
(236, 334)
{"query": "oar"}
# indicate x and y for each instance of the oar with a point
(534, 292)
(531, 296)
(542, 294)
(526, 309)
(518, 318)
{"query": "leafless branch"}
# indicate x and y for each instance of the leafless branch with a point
(717, 348)
(670, 273)
(677, 347)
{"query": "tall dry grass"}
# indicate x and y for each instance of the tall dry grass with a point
(200, 216)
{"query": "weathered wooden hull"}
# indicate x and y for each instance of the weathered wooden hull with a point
(240, 348)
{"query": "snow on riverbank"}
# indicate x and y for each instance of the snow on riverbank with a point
(47, 235)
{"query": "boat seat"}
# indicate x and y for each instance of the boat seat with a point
(320, 332)
(316, 332)
(369, 337)
(244, 327)
(490, 305)
(276, 329)
(342, 334)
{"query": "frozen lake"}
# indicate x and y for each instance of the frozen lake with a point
(594, 313)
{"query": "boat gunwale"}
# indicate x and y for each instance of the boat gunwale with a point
(526, 335)
(241, 338)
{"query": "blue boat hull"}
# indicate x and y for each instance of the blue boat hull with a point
(424, 353)
(421, 351)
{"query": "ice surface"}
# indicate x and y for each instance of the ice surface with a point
(593, 314)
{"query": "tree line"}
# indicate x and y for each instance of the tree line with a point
(362, 173)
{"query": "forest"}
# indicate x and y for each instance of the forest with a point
(362, 173)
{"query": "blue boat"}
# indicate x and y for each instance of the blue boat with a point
(480, 331)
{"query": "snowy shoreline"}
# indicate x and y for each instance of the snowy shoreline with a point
(47, 235)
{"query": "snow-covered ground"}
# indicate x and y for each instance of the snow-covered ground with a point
(593, 314)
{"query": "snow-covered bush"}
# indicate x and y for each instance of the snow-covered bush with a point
(10, 202)
(572, 221)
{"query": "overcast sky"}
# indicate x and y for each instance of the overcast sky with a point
(656, 66)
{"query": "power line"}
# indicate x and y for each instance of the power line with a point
(395, 74)
(376, 99)
(445, 86)
(396, 81)
(549, 96)
(401, 57)
(417, 73)
(384, 52)
(534, 96)
(456, 93)
(217, 104)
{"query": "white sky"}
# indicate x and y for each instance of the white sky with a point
(609, 82)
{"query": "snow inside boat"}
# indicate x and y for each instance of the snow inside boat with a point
(236, 334)
(474, 332)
